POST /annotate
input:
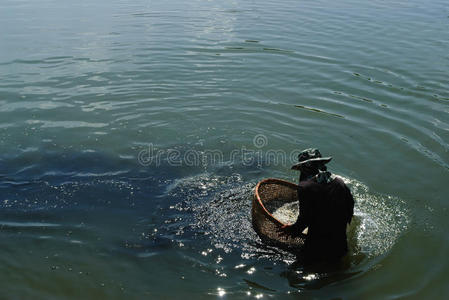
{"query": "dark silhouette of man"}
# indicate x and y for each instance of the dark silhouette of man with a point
(326, 207)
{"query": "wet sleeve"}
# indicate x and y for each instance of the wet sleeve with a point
(349, 205)
(304, 207)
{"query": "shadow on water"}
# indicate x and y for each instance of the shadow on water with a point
(319, 275)
(201, 218)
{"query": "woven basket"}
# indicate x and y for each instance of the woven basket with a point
(270, 194)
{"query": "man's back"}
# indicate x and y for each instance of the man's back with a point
(326, 209)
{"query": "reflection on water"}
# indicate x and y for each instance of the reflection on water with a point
(202, 221)
(205, 218)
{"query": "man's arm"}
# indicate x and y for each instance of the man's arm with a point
(349, 205)
(303, 219)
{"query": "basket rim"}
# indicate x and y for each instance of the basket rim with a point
(268, 181)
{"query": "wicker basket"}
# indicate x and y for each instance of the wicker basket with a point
(270, 194)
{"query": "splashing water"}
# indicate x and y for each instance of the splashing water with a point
(378, 220)
(220, 207)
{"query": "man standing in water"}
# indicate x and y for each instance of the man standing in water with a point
(326, 207)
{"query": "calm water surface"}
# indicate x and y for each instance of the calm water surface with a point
(111, 113)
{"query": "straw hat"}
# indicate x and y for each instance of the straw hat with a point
(310, 156)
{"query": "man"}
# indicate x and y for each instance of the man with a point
(326, 207)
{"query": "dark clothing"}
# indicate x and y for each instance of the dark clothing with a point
(326, 209)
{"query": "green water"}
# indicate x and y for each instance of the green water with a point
(132, 134)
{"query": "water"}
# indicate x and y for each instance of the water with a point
(111, 113)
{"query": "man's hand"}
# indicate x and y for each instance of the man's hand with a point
(288, 230)
(293, 231)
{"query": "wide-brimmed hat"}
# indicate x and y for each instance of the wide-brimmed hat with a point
(310, 156)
